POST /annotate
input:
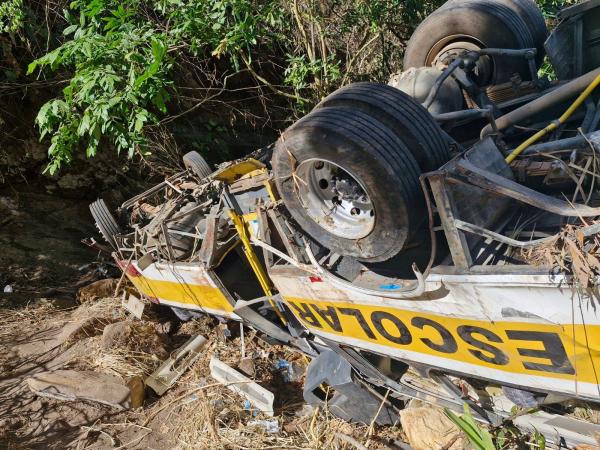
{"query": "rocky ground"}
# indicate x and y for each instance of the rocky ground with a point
(40, 240)
(72, 377)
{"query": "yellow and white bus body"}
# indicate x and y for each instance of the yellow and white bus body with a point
(527, 330)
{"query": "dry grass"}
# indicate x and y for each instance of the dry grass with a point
(214, 418)
(572, 253)
(31, 317)
(587, 412)
(203, 414)
(122, 362)
(197, 413)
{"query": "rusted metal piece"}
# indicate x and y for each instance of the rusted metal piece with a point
(579, 8)
(94, 245)
(475, 113)
(503, 186)
(293, 249)
(469, 227)
(210, 242)
(151, 191)
(246, 184)
(459, 248)
(165, 232)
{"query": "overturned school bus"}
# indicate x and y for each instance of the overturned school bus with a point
(435, 238)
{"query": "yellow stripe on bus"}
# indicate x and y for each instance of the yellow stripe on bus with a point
(190, 294)
(569, 351)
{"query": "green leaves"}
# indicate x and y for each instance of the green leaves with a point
(503, 437)
(12, 16)
(159, 50)
(120, 77)
(121, 55)
(121, 65)
(478, 436)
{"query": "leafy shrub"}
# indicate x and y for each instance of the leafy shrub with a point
(11, 16)
(124, 56)
(131, 62)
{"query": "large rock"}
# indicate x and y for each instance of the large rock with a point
(116, 334)
(137, 391)
(98, 289)
(72, 385)
(49, 339)
(427, 427)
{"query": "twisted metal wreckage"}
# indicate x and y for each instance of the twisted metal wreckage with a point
(410, 238)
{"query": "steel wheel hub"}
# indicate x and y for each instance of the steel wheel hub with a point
(335, 199)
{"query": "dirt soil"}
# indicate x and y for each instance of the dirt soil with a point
(40, 239)
(195, 413)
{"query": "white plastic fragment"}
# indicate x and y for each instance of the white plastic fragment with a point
(259, 397)
(134, 305)
(271, 426)
(169, 371)
(8, 289)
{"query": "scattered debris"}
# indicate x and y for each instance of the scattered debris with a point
(134, 305)
(344, 396)
(71, 385)
(573, 432)
(182, 418)
(8, 289)
(259, 397)
(169, 372)
(271, 426)
(115, 334)
(573, 251)
(247, 366)
(138, 392)
(291, 371)
(134, 336)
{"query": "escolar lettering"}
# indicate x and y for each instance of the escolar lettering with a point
(404, 337)
(448, 344)
(357, 313)
(544, 353)
(554, 352)
(329, 315)
(485, 351)
(305, 314)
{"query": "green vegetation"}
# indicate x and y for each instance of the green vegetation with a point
(506, 436)
(123, 59)
(11, 16)
(133, 66)
(551, 7)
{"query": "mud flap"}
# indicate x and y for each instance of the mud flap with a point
(350, 400)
